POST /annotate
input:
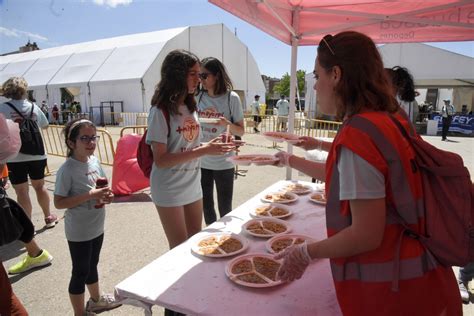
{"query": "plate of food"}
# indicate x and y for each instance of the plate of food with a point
(218, 245)
(282, 137)
(259, 160)
(273, 210)
(319, 198)
(297, 188)
(281, 242)
(256, 270)
(209, 120)
(280, 197)
(266, 227)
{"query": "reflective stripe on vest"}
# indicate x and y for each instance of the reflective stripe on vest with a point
(382, 272)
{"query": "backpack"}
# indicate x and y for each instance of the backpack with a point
(448, 196)
(144, 152)
(31, 140)
(14, 223)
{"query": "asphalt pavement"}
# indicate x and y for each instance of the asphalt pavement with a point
(134, 236)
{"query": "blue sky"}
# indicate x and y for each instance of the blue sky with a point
(59, 22)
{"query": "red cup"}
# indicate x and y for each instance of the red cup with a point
(101, 182)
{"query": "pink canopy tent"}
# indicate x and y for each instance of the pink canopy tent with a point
(305, 22)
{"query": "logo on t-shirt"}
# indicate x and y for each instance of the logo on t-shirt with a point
(190, 129)
(210, 112)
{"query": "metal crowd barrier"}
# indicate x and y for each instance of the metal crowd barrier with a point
(54, 144)
(136, 129)
(302, 126)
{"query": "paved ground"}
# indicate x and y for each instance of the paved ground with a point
(134, 236)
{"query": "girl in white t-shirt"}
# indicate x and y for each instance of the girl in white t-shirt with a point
(217, 100)
(82, 190)
(174, 136)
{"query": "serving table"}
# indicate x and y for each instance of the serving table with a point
(185, 282)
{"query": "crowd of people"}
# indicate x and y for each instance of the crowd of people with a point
(194, 120)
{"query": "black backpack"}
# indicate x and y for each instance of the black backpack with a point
(31, 140)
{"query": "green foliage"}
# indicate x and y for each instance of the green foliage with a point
(283, 87)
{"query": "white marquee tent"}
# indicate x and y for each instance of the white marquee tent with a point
(127, 68)
(430, 67)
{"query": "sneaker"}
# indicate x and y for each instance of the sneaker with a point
(106, 302)
(29, 263)
(51, 221)
(464, 292)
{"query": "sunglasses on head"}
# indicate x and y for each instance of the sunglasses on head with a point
(204, 75)
(326, 39)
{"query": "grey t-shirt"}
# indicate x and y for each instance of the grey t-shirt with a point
(180, 184)
(83, 222)
(212, 107)
(24, 107)
(357, 178)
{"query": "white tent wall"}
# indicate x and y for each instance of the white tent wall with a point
(127, 68)
(152, 76)
(430, 66)
(126, 91)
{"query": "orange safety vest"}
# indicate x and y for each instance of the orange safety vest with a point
(4, 172)
(400, 277)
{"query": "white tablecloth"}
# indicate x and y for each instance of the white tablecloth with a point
(195, 285)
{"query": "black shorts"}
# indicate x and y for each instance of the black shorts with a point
(257, 118)
(18, 172)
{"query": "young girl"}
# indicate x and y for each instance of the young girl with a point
(173, 133)
(84, 218)
(218, 101)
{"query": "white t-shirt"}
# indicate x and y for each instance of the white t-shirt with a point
(255, 108)
(180, 184)
(283, 107)
(218, 106)
(24, 107)
(83, 222)
(357, 178)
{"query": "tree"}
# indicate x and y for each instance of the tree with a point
(283, 87)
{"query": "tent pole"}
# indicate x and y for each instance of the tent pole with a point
(291, 114)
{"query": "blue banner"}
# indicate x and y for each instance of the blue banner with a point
(461, 123)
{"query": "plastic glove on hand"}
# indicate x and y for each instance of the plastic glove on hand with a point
(308, 143)
(283, 158)
(295, 261)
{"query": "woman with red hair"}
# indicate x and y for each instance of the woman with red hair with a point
(377, 268)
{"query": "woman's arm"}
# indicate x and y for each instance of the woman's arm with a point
(309, 143)
(313, 169)
(62, 202)
(365, 233)
(236, 128)
(163, 159)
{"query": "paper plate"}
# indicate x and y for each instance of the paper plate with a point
(259, 160)
(273, 210)
(318, 198)
(274, 197)
(266, 227)
(297, 188)
(256, 270)
(292, 238)
(219, 248)
(209, 120)
(281, 137)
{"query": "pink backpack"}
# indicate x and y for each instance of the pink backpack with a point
(144, 152)
(448, 203)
